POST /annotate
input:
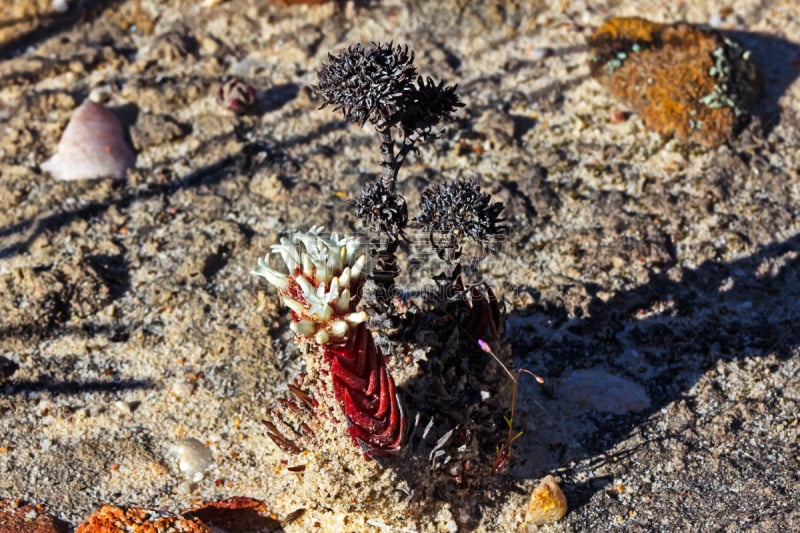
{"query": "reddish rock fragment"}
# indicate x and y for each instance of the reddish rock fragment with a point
(17, 516)
(684, 80)
(235, 515)
(111, 519)
(236, 95)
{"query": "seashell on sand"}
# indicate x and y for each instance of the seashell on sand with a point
(92, 146)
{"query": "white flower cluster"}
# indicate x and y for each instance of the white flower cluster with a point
(323, 273)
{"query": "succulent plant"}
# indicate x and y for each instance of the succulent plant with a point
(321, 287)
(321, 281)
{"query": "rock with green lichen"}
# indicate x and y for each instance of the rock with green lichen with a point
(683, 80)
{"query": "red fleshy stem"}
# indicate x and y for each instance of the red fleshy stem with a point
(366, 391)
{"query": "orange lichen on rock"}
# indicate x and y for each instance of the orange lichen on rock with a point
(684, 80)
(233, 515)
(111, 519)
(628, 28)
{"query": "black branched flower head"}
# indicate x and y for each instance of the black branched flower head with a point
(371, 83)
(382, 210)
(429, 103)
(462, 207)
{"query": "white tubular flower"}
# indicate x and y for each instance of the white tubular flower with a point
(323, 274)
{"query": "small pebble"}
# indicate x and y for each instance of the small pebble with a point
(194, 458)
(123, 407)
(547, 504)
(616, 116)
(181, 389)
(539, 53)
(60, 6)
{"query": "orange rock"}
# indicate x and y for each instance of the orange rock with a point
(111, 519)
(547, 503)
(17, 516)
(684, 80)
(236, 515)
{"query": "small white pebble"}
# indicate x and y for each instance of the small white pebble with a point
(194, 458)
(181, 389)
(100, 95)
(60, 6)
(123, 407)
(539, 53)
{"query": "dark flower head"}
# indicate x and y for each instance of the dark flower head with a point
(429, 103)
(462, 208)
(370, 83)
(381, 209)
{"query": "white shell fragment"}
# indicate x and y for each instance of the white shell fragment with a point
(194, 458)
(91, 147)
(597, 389)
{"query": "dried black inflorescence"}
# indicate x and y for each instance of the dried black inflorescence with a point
(428, 105)
(377, 84)
(462, 207)
(383, 210)
(371, 83)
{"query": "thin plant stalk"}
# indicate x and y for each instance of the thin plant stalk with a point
(504, 450)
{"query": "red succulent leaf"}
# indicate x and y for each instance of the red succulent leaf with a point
(366, 392)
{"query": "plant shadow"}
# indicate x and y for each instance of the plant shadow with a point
(778, 61)
(675, 328)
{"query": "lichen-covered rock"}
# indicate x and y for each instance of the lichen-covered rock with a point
(684, 80)
(112, 519)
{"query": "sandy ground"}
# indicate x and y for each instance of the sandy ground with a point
(667, 270)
